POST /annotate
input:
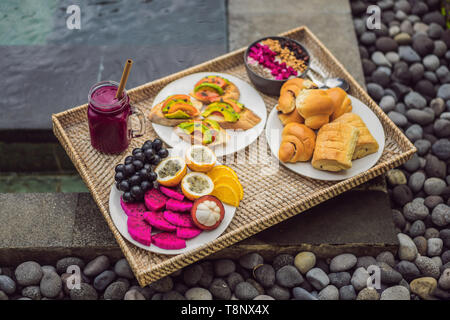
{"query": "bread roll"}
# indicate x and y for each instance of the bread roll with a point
(297, 143)
(289, 91)
(366, 143)
(294, 116)
(315, 106)
(341, 102)
(335, 145)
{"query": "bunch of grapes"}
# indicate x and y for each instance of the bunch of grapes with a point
(136, 175)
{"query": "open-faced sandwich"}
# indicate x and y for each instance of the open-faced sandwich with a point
(210, 88)
(175, 109)
(207, 132)
(230, 114)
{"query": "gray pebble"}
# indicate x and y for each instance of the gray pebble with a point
(282, 260)
(427, 267)
(96, 266)
(288, 276)
(415, 100)
(51, 285)
(192, 275)
(408, 54)
(380, 60)
(115, 291)
(64, 263)
(444, 91)
(387, 257)
(251, 260)
(302, 294)
(85, 292)
(417, 228)
(423, 146)
(198, 293)
(133, 294)
(408, 270)
(233, 279)
(395, 293)
(343, 262)
(434, 246)
(263, 297)
(265, 275)
(415, 210)
(279, 292)
(32, 292)
(359, 278)
(387, 103)
(104, 279)
(414, 132)
(29, 273)
(245, 291)
(416, 181)
(347, 293)
(224, 267)
(7, 284)
(220, 289)
(330, 292)
(123, 269)
(398, 118)
(431, 62)
(317, 278)
(434, 186)
(388, 275)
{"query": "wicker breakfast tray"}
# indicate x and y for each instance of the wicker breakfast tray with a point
(270, 197)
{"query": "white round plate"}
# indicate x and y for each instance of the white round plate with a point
(238, 139)
(273, 134)
(119, 218)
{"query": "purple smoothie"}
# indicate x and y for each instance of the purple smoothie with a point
(108, 118)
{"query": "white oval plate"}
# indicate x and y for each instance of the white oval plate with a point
(273, 134)
(238, 139)
(119, 218)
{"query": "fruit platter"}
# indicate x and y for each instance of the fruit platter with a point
(227, 113)
(170, 201)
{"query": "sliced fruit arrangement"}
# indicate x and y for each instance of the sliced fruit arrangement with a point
(182, 204)
(175, 109)
(206, 132)
(212, 87)
(227, 187)
(200, 158)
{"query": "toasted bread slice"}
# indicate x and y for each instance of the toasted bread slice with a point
(247, 120)
(156, 115)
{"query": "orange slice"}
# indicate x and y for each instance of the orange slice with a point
(226, 194)
(196, 184)
(221, 170)
(232, 182)
(200, 158)
(171, 171)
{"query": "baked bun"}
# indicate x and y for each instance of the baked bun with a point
(289, 91)
(297, 143)
(341, 102)
(315, 106)
(366, 143)
(335, 144)
(294, 116)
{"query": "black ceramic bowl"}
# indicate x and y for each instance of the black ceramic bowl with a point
(270, 86)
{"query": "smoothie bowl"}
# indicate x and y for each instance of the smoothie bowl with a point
(271, 61)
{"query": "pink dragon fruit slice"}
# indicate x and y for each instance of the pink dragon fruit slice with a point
(139, 230)
(188, 233)
(171, 193)
(156, 219)
(178, 206)
(155, 200)
(169, 241)
(179, 219)
(135, 210)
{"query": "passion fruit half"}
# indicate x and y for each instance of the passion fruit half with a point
(200, 158)
(171, 171)
(196, 184)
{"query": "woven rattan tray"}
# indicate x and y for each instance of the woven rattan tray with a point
(271, 196)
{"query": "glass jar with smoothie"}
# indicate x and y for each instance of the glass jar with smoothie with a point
(109, 118)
